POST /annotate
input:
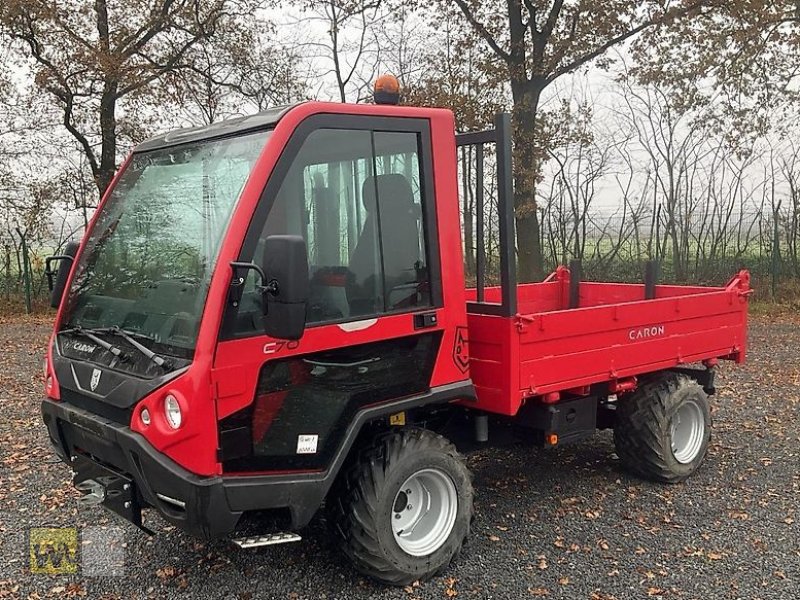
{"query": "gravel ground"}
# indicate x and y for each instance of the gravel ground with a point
(566, 523)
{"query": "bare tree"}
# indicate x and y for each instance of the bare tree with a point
(238, 70)
(671, 141)
(536, 43)
(90, 58)
(348, 46)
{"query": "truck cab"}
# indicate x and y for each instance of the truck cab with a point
(238, 402)
(265, 313)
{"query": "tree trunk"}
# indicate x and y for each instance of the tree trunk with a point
(469, 238)
(108, 136)
(26, 271)
(677, 255)
(7, 265)
(526, 96)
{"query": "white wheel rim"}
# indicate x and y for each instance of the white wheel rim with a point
(687, 431)
(424, 512)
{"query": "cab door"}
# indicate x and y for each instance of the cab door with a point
(359, 190)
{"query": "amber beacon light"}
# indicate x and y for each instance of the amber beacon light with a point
(386, 90)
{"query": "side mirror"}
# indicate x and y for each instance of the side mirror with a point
(61, 273)
(285, 287)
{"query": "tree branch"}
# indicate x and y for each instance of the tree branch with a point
(552, 18)
(81, 139)
(484, 33)
(154, 25)
(589, 56)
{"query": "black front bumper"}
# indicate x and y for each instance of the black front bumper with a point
(213, 506)
(98, 448)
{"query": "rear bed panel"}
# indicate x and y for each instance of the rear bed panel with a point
(572, 348)
(616, 334)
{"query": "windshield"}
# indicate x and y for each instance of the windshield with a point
(149, 259)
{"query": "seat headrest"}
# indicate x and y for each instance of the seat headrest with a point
(393, 187)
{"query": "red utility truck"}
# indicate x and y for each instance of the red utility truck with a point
(270, 314)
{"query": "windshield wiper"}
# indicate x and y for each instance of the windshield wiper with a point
(130, 338)
(90, 334)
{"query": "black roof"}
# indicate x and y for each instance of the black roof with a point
(262, 120)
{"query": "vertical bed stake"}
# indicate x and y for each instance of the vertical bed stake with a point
(575, 276)
(651, 272)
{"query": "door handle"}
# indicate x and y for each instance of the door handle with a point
(425, 320)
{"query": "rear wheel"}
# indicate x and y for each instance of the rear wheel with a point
(663, 428)
(403, 509)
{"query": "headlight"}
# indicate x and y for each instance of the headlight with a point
(172, 410)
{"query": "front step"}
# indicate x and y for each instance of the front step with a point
(271, 539)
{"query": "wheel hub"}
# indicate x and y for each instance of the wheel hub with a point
(424, 512)
(687, 431)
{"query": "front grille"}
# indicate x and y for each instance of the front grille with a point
(113, 413)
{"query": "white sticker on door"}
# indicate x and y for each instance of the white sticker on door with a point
(307, 444)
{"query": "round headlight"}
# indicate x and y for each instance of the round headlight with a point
(145, 416)
(172, 410)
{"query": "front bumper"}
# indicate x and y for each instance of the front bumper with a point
(99, 449)
(211, 506)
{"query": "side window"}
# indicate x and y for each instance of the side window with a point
(399, 190)
(356, 197)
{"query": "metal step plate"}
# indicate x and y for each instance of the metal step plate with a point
(266, 540)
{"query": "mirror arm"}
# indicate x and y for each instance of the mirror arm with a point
(251, 267)
(237, 284)
(270, 287)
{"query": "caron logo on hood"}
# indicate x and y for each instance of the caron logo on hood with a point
(83, 347)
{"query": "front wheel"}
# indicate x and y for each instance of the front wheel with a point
(663, 428)
(403, 510)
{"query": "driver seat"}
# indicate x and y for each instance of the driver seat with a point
(399, 228)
